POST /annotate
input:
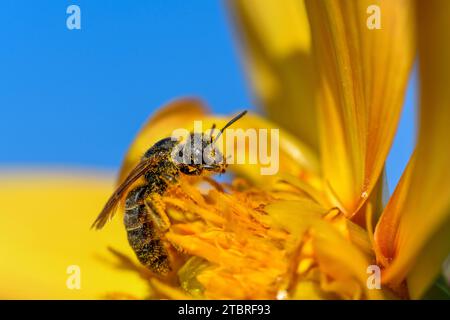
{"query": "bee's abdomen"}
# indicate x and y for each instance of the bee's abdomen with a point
(142, 235)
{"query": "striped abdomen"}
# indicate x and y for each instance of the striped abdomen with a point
(143, 235)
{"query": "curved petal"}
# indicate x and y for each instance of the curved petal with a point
(363, 75)
(276, 43)
(45, 229)
(426, 210)
(430, 261)
(341, 248)
(386, 229)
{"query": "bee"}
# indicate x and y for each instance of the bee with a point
(145, 218)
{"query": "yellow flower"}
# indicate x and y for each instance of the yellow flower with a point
(308, 232)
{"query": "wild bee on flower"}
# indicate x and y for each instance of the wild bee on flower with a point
(161, 166)
(320, 227)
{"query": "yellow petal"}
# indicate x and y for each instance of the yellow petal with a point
(45, 228)
(386, 229)
(276, 41)
(363, 75)
(429, 262)
(426, 211)
(336, 245)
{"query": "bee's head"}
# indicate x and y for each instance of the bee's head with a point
(199, 152)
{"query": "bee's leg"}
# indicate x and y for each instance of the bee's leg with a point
(157, 213)
(156, 210)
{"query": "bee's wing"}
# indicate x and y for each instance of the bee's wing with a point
(111, 206)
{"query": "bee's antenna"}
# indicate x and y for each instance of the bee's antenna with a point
(236, 118)
(212, 130)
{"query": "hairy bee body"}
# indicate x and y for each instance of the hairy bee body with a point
(144, 219)
(161, 167)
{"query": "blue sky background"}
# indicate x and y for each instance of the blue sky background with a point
(78, 97)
